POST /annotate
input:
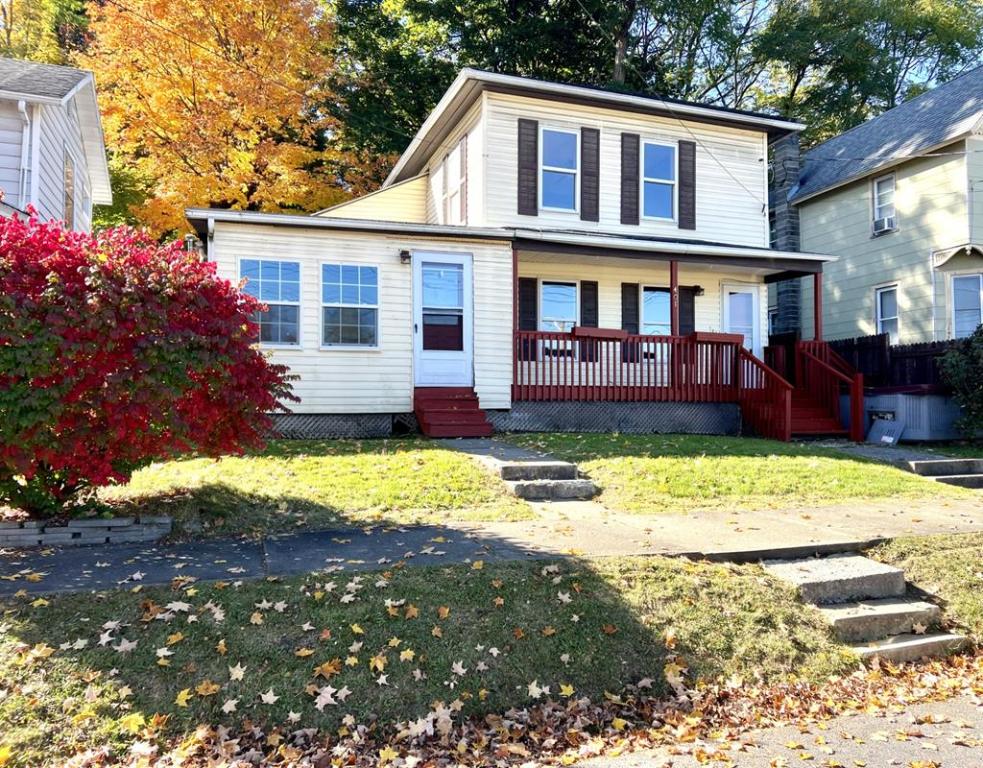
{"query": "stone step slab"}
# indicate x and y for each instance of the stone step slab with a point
(839, 578)
(552, 490)
(938, 467)
(538, 470)
(910, 647)
(861, 622)
(963, 481)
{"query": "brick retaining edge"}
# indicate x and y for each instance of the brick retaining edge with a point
(114, 530)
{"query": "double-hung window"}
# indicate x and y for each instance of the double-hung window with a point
(559, 169)
(884, 214)
(656, 313)
(887, 311)
(69, 181)
(453, 182)
(349, 305)
(558, 302)
(967, 304)
(658, 181)
(277, 284)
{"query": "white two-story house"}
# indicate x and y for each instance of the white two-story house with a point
(542, 256)
(52, 153)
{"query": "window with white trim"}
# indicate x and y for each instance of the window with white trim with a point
(886, 300)
(656, 312)
(349, 305)
(884, 213)
(276, 284)
(69, 185)
(967, 304)
(658, 181)
(454, 175)
(558, 306)
(559, 169)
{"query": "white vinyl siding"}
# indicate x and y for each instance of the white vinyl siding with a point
(368, 380)
(406, 201)
(11, 143)
(60, 135)
(730, 170)
(930, 201)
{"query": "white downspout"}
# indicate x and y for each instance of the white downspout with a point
(24, 146)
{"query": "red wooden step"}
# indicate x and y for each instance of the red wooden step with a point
(459, 430)
(465, 406)
(452, 417)
(443, 393)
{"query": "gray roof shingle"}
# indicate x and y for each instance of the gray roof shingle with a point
(42, 80)
(936, 117)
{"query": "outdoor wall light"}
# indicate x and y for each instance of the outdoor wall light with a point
(698, 290)
(405, 257)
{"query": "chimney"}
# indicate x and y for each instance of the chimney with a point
(784, 220)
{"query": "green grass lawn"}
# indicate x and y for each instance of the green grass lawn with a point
(84, 670)
(319, 484)
(949, 566)
(654, 474)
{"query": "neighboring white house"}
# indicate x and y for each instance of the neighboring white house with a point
(563, 257)
(52, 154)
(899, 201)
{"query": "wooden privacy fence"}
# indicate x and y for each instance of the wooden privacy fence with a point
(903, 365)
(608, 365)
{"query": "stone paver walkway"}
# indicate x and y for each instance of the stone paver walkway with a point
(946, 734)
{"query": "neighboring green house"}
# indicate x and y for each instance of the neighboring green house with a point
(899, 201)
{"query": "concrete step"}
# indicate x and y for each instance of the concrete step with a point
(538, 470)
(908, 647)
(937, 467)
(874, 619)
(963, 481)
(552, 490)
(839, 578)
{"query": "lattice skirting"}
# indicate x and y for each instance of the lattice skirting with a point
(628, 418)
(320, 426)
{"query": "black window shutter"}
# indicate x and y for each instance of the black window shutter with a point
(528, 314)
(629, 320)
(687, 185)
(629, 178)
(687, 311)
(588, 318)
(590, 169)
(528, 183)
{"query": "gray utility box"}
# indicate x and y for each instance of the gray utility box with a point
(925, 416)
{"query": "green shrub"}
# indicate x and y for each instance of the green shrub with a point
(962, 370)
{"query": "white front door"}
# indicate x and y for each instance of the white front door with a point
(442, 320)
(741, 314)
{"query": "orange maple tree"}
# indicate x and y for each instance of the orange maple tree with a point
(213, 103)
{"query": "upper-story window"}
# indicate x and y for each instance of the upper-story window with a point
(455, 178)
(559, 169)
(69, 184)
(276, 284)
(658, 181)
(885, 218)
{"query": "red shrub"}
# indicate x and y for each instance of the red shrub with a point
(116, 351)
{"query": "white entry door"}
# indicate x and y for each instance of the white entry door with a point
(741, 314)
(442, 320)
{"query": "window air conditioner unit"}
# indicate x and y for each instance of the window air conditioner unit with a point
(885, 224)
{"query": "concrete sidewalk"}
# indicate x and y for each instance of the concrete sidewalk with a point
(560, 529)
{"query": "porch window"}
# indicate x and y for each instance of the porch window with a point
(559, 169)
(350, 305)
(887, 311)
(656, 312)
(658, 181)
(966, 304)
(276, 284)
(559, 306)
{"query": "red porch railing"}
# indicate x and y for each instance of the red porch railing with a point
(591, 364)
(821, 372)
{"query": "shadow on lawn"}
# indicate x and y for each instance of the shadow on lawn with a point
(594, 625)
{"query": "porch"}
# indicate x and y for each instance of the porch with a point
(711, 349)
